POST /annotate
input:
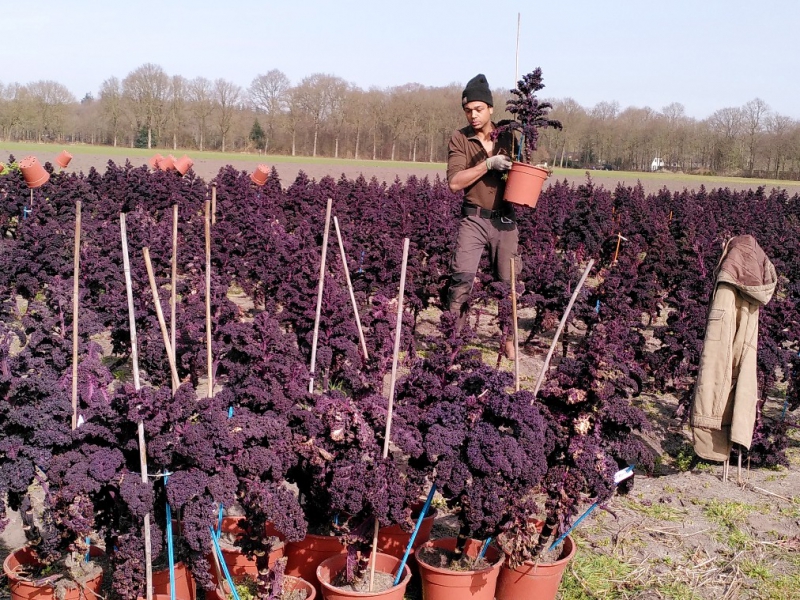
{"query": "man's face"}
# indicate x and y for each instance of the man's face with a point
(478, 114)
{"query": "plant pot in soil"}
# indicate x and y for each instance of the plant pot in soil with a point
(153, 162)
(33, 172)
(440, 583)
(185, 586)
(259, 176)
(530, 580)
(21, 589)
(238, 563)
(290, 584)
(183, 164)
(63, 159)
(304, 557)
(524, 184)
(167, 163)
(393, 540)
(386, 564)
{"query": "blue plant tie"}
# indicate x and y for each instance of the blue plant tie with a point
(227, 573)
(361, 262)
(519, 147)
(219, 519)
(414, 535)
(785, 406)
(25, 212)
(170, 547)
(597, 307)
(336, 519)
(230, 412)
(89, 548)
(484, 548)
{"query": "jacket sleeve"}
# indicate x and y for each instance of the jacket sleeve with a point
(456, 155)
(716, 364)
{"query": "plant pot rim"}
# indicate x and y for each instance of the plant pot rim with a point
(433, 544)
(564, 557)
(339, 557)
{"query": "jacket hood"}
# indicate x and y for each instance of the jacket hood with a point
(745, 266)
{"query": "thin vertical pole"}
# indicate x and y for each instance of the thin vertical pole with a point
(209, 355)
(315, 339)
(214, 203)
(174, 297)
(148, 547)
(561, 328)
(160, 314)
(31, 200)
(516, 62)
(350, 289)
(397, 334)
(75, 303)
(514, 323)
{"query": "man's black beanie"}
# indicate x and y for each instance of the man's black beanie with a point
(477, 90)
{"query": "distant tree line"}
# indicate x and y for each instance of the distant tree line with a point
(324, 115)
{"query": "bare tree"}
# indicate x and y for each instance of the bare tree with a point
(50, 100)
(147, 89)
(313, 97)
(269, 94)
(725, 126)
(111, 106)
(227, 97)
(754, 114)
(376, 109)
(178, 92)
(201, 103)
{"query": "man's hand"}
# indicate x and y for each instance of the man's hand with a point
(498, 163)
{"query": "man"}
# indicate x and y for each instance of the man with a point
(476, 164)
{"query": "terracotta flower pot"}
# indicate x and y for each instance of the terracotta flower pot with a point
(2, 168)
(155, 160)
(167, 163)
(33, 172)
(290, 584)
(393, 540)
(530, 580)
(184, 582)
(63, 159)
(384, 563)
(524, 184)
(445, 584)
(22, 590)
(260, 175)
(238, 564)
(167, 597)
(183, 164)
(304, 557)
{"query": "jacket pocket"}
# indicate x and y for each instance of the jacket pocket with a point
(714, 328)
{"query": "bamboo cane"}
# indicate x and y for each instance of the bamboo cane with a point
(315, 339)
(214, 203)
(350, 289)
(516, 54)
(161, 322)
(31, 200)
(561, 328)
(397, 333)
(75, 303)
(514, 322)
(148, 546)
(209, 356)
(174, 296)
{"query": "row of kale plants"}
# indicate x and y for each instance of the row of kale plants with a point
(456, 423)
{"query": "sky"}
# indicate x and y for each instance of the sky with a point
(704, 54)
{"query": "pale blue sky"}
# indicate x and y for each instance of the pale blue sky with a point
(705, 54)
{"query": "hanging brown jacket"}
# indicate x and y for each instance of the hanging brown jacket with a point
(726, 392)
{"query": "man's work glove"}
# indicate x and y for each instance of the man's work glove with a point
(498, 163)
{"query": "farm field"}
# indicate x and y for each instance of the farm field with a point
(681, 532)
(208, 164)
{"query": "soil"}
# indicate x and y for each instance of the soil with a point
(381, 582)
(445, 559)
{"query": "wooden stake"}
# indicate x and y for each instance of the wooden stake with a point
(174, 297)
(395, 358)
(148, 546)
(514, 323)
(616, 252)
(31, 201)
(161, 322)
(209, 355)
(561, 328)
(75, 303)
(319, 294)
(214, 203)
(350, 289)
